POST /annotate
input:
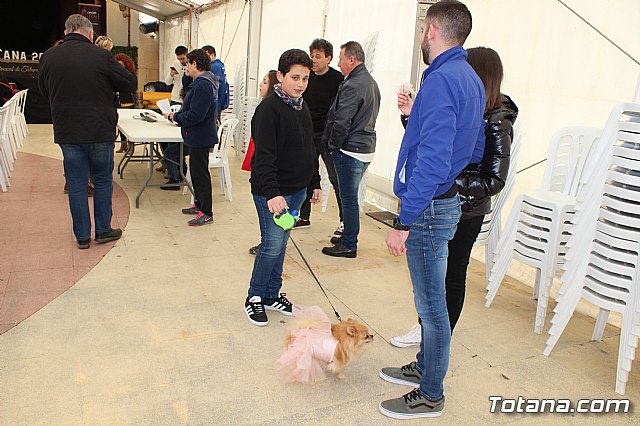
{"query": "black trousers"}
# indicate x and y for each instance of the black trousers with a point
(305, 210)
(457, 262)
(201, 179)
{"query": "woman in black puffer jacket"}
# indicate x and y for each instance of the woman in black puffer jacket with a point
(477, 183)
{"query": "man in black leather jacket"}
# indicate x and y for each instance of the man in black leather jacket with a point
(351, 138)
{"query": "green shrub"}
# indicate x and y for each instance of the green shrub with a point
(131, 51)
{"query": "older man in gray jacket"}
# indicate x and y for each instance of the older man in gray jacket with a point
(351, 137)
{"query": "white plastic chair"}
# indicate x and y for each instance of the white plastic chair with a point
(20, 112)
(603, 255)
(6, 156)
(491, 225)
(218, 159)
(11, 125)
(244, 133)
(6, 138)
(540, 221)
(16, 124)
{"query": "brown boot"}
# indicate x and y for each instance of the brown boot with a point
(123, 147)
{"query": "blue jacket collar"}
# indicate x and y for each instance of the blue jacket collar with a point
(454, 53)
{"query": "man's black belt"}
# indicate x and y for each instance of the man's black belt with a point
(450, 193)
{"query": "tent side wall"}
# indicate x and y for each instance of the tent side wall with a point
(558, 69)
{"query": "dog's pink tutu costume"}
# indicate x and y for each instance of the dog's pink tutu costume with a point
(312, 347)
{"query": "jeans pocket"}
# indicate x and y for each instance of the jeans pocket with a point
(442, 228)
(440, 235)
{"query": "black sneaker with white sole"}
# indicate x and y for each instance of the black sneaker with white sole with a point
(406, 375)
(281, 304)
(254, 309)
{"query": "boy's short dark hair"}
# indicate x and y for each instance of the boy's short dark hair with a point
(293, 57)
(200, 57)
(323, 45)
(181, 50)
(209, 49)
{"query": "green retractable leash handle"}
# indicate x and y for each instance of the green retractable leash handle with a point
(286, 219)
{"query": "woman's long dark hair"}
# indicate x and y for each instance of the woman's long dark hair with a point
(273, 80)
(487, 64)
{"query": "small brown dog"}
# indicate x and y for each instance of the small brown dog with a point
(314, 342)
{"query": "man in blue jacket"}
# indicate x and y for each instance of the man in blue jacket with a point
(445, 132)
(198, 126)
(217, 68)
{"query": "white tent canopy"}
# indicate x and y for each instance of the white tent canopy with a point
(163, 9)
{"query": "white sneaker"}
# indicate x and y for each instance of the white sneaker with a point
(338, 232)
(412, 338)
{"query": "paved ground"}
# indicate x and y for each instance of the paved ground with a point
(155, 333)
(39, 259)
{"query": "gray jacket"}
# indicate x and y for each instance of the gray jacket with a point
(352, 117)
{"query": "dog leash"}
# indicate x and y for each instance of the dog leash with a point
(316, 278)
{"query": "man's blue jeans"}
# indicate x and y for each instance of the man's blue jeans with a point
(80, 161)
(266, 279)
(350, 172)
(427, 251)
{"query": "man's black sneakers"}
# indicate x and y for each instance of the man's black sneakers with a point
(412, 405)
(105, 237)
(406, 375)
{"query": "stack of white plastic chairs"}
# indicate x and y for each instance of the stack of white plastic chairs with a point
(603, 253)
(237, 106)
(540, 221)
(13, 130)
(491, 225)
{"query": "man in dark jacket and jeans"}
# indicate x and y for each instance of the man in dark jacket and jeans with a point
(79, 79)
(351, 138)
(197, 120)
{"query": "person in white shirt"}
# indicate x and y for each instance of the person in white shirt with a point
(176, 71)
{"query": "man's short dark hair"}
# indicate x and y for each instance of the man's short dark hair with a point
(181, 50)
(452, 18)
(353, 49)
(322, 44)
(293, 57)
(200, 57)
(209, 49)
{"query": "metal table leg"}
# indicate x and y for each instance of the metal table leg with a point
(151, 164)
(184, 178)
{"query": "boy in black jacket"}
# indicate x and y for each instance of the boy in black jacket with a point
(283, 165)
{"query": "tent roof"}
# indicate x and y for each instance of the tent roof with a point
(161, 9)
